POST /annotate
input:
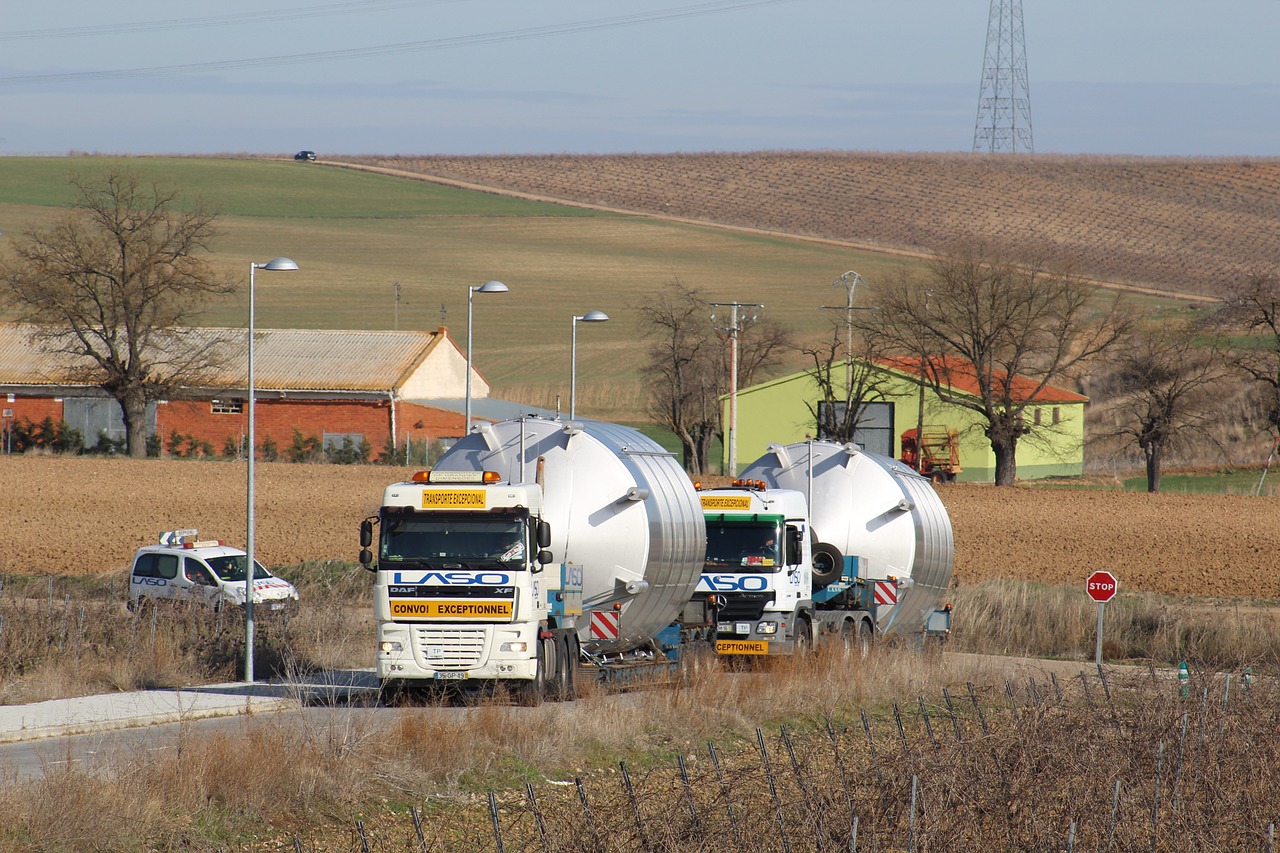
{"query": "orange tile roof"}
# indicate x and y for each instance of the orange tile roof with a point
(961, 376)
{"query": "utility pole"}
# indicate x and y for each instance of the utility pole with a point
(1004, 99)
(850, 282)
(737, 321)
(395, 285)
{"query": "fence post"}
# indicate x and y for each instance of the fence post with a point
(1115, 814)
(814, 814)
(773, 792)
(724, 793)
(497, 825)
(688, 793)
(537, 818)
(951, 711)
(928, 725)
(635, 806)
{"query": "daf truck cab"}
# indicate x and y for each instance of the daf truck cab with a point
(464, 589)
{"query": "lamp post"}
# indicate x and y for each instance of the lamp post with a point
(274, 264)
(589, 317)
(487, 287)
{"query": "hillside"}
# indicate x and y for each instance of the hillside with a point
(1182, 225)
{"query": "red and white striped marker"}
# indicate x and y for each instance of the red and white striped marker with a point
(605, 624)
(885, 592)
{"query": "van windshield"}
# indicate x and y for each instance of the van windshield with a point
(231, 568)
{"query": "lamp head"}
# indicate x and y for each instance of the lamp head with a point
(492, 287)
(593, 317)
(277, 264)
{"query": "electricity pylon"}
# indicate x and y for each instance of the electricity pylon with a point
(1004, 101)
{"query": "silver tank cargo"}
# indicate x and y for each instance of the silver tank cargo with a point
(876, 508)
(619, 505)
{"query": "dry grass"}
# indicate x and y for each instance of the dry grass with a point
(1125, 219)
(1001, 758)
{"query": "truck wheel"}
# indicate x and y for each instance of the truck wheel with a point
(865, 638)
(828, 565)
(804, 638)
(532, 693)
(567, 667)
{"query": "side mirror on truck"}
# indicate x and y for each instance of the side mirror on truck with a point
(544, 535)
(366, 539)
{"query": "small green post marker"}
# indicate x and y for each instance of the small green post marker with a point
(1184, 680)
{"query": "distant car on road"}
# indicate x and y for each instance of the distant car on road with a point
(185, 568)
(305, 155)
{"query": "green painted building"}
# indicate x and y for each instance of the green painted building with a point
(778, 412)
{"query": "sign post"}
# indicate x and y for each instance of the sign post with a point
(1102, 587)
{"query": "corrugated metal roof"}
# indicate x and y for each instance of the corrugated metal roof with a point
(284, 359)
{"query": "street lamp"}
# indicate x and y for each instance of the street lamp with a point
(589, 317)
(487, 287)
(273, 264)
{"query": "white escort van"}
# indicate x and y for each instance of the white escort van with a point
(184, 568)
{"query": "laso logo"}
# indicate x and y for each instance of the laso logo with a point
(733, 583)
(454, 578)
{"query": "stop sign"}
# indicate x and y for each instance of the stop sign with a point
(1101, 586)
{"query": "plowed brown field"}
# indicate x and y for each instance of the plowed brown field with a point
(76, 516)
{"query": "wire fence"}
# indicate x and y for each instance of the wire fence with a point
(1100, 761)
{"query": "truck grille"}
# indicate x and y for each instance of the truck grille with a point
(744, 606)
(457, 648)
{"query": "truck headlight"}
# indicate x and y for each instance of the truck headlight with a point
(390, 646)
(514, 647)
(767, 628)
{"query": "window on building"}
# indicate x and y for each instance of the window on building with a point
(1057, 414)
(1037, 417)
(227, 407)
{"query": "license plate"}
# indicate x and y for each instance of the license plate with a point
(277, 605)
(450, 676)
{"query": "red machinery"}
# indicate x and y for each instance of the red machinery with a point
(936, 454)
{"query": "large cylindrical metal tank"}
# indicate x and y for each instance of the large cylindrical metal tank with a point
(619, 505)
(875, 508)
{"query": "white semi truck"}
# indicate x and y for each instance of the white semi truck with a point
(824, 539)
(532, 546)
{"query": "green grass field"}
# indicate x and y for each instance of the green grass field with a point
(355, 235)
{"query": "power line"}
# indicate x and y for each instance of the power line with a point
(264, 16)
(702, 9)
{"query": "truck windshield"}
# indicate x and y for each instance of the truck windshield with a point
(470, 541)
(231, 569)
(748, 547)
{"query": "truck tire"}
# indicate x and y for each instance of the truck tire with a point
(828, 565)
(804, 637)
(533, 692)
(866, 638)
(567, 673)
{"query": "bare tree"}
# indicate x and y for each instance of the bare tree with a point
(1001, 330)
(113, 282)
(689, 367)
(848, 381)
(1254, 303)
(1168, 390)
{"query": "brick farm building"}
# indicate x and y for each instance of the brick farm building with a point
(362, 386)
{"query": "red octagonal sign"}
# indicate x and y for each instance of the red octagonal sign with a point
(1101, 586)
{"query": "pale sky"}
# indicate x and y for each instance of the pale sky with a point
(1150, 77)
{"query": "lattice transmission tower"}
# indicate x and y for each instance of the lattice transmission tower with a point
(1004, 101)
